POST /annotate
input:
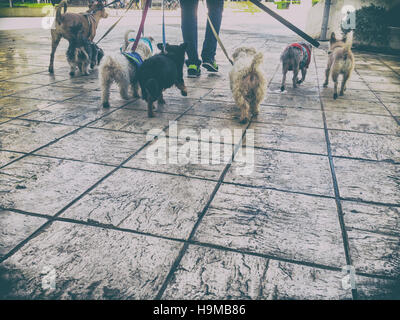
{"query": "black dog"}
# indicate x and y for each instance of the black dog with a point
(81, 53)
(161, 72)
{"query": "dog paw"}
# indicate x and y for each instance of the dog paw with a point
(341, 93)
(335, 96)
(282, 88)
(244, 120)
(106, 105)
(325, 85)
(51, 69)
(184, 93)
(72, 74)
(299, 81)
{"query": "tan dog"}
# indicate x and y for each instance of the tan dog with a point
(247, 81)
(340, 61)
(64, 25)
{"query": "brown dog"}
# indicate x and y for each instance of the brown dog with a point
(63, 23)
(341, 61)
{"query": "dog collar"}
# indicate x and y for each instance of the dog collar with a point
(147, 40)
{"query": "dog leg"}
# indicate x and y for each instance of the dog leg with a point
(123, 90)
(160, 100)
(135, 89)
(344, 81)
(295, 73)
(181, 86)
(72, 69)
(150, 107)
(105, 90)
(303, 75)
(284, 71)
(85, 67)
(55, 40)
(327, 71)
(244, 108)
(335, 80)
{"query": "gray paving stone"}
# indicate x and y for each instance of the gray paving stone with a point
(368, 181)
(41, 78)
(287, 100)
(69, 113)
(362, 123)
(290, 116)
(89, 263)
(367, 107)
(26, 136)
(374, 253)
(177, 156)
(288, 138)
(96, 145)
(6, 157)
(160, 204)
(211, 274)
(14, 107)
(282, 170)
(372, 218)
(44, 185)
(134, 121)
(15, 228)
(52, 93)
(8, 87)
(289, 226)
(365, 146)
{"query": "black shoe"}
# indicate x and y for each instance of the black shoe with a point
(193, 71)
(211, 66)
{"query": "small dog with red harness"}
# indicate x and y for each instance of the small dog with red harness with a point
(295, 57)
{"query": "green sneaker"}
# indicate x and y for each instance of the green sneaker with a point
(193, 71)
(211, 66)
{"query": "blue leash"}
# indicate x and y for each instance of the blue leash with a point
(163, 26)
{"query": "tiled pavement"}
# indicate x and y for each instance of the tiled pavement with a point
(78, 194)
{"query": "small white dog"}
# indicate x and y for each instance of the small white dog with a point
(121, 69)
(247, 81)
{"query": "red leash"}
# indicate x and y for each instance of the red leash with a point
(139, 34)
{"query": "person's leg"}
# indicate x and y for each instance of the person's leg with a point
(215, 8)
(189, 29)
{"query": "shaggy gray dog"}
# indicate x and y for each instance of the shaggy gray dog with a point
(247, 81)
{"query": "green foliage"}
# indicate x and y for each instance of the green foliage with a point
(372, 25)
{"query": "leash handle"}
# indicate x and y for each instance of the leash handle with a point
(140, 31)
(217, 37)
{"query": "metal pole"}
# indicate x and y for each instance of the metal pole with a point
(325, 19)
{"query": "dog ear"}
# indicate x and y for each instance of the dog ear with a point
(151, 39)
(333, 38)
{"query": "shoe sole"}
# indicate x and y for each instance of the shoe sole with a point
(209, 68)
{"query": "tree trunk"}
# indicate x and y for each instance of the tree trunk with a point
(11, 4)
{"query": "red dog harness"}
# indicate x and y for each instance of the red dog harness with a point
(307, 54)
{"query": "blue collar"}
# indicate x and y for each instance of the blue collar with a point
(147, 40)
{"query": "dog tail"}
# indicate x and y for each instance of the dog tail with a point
(347, 45)
(152, 88)
(257, 60)
(126, 37)
(58, 10)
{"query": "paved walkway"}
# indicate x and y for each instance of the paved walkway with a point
(85, 215)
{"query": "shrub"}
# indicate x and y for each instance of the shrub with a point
(372, 25)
